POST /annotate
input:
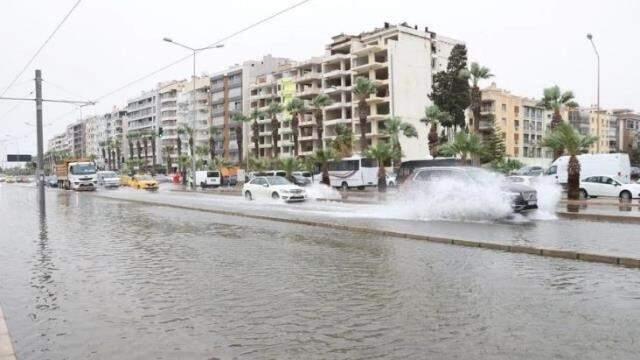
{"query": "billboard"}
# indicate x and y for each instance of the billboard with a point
(18, 158)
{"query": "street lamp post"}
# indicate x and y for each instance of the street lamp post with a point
(193, 119)
(590, 37)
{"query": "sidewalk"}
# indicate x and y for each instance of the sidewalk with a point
(6, 348)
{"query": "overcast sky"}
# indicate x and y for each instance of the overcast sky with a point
(528, 45)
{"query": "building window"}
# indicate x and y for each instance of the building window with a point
(516, 110)
(504, 107)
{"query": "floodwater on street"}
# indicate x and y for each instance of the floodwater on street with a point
(89, 277)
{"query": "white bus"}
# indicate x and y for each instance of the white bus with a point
(353, 171)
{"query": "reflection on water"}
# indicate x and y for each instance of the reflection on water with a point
(94, 278)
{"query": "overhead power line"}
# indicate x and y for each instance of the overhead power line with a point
(234, 34)
(64, 19)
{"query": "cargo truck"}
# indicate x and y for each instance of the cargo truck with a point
(77, 175)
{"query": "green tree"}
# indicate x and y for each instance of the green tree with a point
(342, 145)
(567, 139)
(450, 89)
(318, 104)
(464, 145)
(323, 157)
(202, 152)
(257, 164)
(167, 150)
(553, 99)
(297, 108)
(394, 128)
(117, 144)
(213, 133)
(130, 141)
(506, 166)
(240, 120)
(494, 144)
(432, 117)
(477, 73)
(183, 163)
(383, 153)
(273, 110)
(289, 165)
(361, 91)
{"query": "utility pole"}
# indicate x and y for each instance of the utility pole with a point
(590, 37)
(40, 167)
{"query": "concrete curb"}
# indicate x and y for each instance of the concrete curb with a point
(599, 217)
(547, 252)
(6, 347)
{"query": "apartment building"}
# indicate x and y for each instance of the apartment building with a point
(604, 125)
(185, 110)
(168, 113)
(628, 129)
(58, 143)
(92, 128)
(523, 123)
(112, 131)
(75, 137)
(142, 118)
(400, 60)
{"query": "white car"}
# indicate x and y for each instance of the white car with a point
(275, 187)
(595, 186)
(521, 179)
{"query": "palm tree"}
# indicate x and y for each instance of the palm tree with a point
(296, 107)
(323, 157)
(361, 91)
(554, 99)
(255, 128)
(213, 132)
(394, 127)
(273, 110)
(257, 164)
(289, 165)
(180, 132)
(117, 144)
(183, 162)
(139, 147)
(477, 73)
(190, 138)
(342, 145)
(152, 139)
(145, 145)
(382, 152)
(318, 104)
(464, 145)
(567, 139)
(130, 138)
(201, 153)
(240, 120)
(433, 117)
(167, 151)
(102, 148)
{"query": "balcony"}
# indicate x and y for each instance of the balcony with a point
(367, 49)
(310, 91)
(309, 77)
(365, 68)
(337, 121)
(337, 105)
(333, 89)
(375, 99)
(336, 58)
(336, 74)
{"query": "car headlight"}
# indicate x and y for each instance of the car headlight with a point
(513, 195)
(285, 191)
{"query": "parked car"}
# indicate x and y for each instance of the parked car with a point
(206, 179)
(2, 179)
(145, 182)
(529, 171)
(275, 187)
(300, 180)
(594, 186)
(10, 180)
(523, 197)
(162, 178)
(108, 179)
(51, 181)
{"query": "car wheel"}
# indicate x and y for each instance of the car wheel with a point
(247, 195)
(360, 188)
(275, 196)
(583, 194)
(344, 186)
(203, 185)
(625, 195)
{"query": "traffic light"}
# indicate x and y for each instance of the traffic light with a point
(160, 131)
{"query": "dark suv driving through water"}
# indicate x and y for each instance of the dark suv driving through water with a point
(523, 197)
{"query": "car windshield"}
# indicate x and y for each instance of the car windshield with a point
(143, 177)
(213, 174)
(83, 169)
(278, 180)
(109, 174)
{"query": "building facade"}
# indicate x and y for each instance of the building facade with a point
(142, 121)
(400, 60)
(168, 112)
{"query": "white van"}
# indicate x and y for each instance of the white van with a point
(208, 179)
(617, 165)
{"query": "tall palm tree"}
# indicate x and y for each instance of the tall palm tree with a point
(130, 141)
(318, 103)
(102, 145)
(273, 110)
(201, 154)
(477, 73)
(152, 136)
(394, 128)
(342, 145)
(139, 147)
(554, 99)
(323, 157)
(240, 120)
(117, 144)
(255, 129)
(464, 145)
(361, 91)
(167, 151)
(432, 117)
(257, 164)
(180, 132)
(190, 133)
(183, 163)
(297, 108)
(382, 153)
(213, 132)
(145, 145)
(567, 139)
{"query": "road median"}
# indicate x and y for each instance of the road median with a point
(491, 246)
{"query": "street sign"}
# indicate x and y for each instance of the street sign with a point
(18, 158)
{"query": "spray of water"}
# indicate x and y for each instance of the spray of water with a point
(549, 195)
(321, 191)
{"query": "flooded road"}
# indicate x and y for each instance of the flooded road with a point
(88, 277)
